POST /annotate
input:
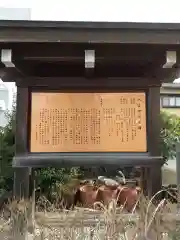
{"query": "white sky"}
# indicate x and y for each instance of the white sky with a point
(99, 10)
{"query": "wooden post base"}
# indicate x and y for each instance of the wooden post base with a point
(21, 183)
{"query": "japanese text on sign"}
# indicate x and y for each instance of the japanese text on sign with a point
(88, 122)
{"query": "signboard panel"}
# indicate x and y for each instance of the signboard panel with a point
(88, 122)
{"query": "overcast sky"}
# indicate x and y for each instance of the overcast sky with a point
(99, 10)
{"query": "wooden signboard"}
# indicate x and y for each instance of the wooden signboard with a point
(88, 122)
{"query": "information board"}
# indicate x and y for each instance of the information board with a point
(88, 122)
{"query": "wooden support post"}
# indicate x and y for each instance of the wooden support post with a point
(144, 180)
(21, 175)
(154, 176)
(21, 183)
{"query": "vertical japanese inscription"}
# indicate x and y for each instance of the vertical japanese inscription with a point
(87, 122)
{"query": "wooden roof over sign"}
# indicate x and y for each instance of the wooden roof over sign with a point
(50, 49)
(96, 32)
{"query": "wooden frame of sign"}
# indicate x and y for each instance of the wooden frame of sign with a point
(45, 156)
(29, 155)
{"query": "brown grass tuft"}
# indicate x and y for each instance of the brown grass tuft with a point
(148, 221)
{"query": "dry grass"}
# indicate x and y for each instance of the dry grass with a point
(145, 222)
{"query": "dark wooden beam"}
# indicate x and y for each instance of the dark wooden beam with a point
(59, 52)
(65, 69)
(101, 70)
(156, 76)
(164, 74)
(89, 73)
(90, 159)
(9, 74)
(39, 31)
(82, 82)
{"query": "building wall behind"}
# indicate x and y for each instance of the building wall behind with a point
(171, 91)
(4, 96)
